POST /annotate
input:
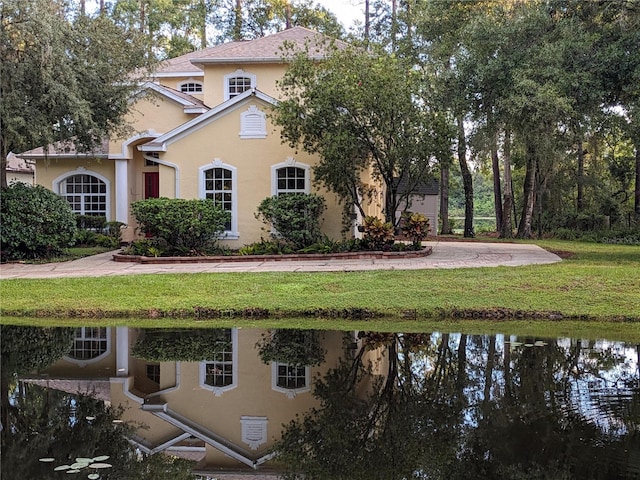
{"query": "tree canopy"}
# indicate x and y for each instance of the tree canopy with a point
(64, 76)
(359, 111)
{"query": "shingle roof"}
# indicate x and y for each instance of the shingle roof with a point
(423, 188)
(66, 149)
(265, 49)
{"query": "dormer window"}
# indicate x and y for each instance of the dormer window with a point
(191, 87)
(238, 82)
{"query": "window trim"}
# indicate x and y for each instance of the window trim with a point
(232, 234)
(290, 162)
(237, 74)
(57, 183)
(218, 391)
(191, 82)
(289, 392)
(83, 362)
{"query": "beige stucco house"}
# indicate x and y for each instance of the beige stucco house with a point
(224, 413)
(201, 130)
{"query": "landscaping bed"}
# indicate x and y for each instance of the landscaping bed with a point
(291, 257)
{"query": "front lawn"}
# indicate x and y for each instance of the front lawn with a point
(596, 282)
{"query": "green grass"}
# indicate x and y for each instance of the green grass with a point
(598, 282)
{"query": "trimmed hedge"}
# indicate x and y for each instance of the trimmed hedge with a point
(184, 226)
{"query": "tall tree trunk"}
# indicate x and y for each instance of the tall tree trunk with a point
(636, 205)
(506, 228)
(203, 25)
(445, 228)
(580, 199)
(237, 21)
(287, 11)
(367, 22)
(497, 190)
(467, 180)
(488, 377)
(528, 204)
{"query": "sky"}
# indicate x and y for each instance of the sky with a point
(346, 10)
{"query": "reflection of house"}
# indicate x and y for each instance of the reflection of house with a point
(225, 413)
(19, 170)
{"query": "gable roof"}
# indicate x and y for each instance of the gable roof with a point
(188, 102)
(431, 187)
(66, 149)
(261, 50)
(160, 143)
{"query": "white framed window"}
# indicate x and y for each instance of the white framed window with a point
(87, 192)
(290, 379)
(290, 177)
(218, 182)
(238, 82)
(220, 374)
(90, 344)
(190, 87)
(253, 123)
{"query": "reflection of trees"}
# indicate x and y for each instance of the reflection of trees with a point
(41, 422)
(461, 406)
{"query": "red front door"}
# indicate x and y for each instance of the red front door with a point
(151, 185)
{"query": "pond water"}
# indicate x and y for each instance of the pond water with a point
(118, 402)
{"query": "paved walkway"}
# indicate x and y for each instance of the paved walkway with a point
(444, 255)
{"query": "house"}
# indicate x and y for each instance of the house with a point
(225, 413)
(202, 130)
(19, 170)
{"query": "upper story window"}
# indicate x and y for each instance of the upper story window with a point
(191, 87)
(238, 82)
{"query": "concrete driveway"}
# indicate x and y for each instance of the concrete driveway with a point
(444, 255)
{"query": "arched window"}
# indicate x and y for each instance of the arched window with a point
(290, 177)
(218, 183)
(87, 193)
(90, 344)
(220, 373)
(238, 82)
(290, 379)
(191, 87)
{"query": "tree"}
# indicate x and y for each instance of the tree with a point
(64, 77)
(341, 109)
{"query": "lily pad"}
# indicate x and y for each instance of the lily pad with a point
(62, 467)
(73, 471)
(93, 476)
(47, 460)
(101, 458)
(100, 465)
(80, 464)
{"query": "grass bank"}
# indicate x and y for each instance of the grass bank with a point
(596, 282)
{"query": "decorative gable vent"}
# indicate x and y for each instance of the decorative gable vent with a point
(253, 123)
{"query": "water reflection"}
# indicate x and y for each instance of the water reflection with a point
(311, 404)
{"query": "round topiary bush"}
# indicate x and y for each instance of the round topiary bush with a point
(36, 223)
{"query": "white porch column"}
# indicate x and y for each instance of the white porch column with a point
(122, 351)
(122, 191)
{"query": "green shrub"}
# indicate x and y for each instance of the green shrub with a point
(294, 217)
(266, 247)
(36, 223)
(294, 347)
(91, 222)
(190, 227)
(190, 345)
